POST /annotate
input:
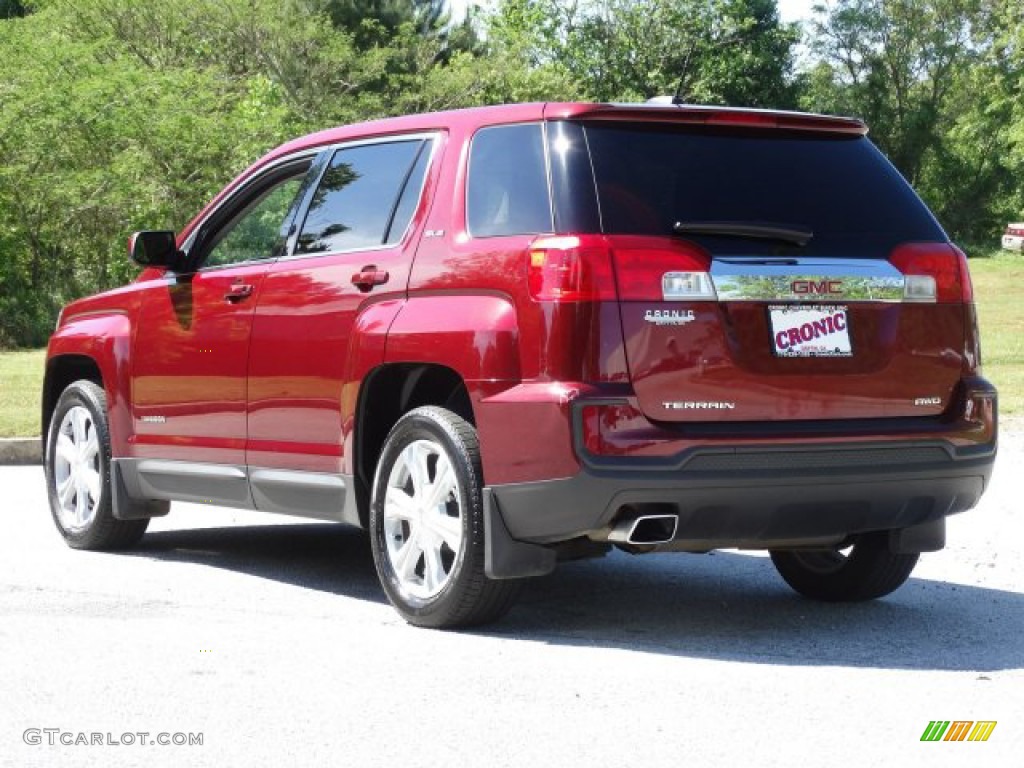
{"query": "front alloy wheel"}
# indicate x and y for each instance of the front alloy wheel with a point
(78, 472)
(426, 523)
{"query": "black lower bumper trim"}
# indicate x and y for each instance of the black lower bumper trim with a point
(762, 503)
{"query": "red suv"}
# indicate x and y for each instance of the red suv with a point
(500, 337)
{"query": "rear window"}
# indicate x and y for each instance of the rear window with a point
(839, 187)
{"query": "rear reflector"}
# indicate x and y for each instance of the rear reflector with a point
(687, 286)
(919, 288)
(933, 273)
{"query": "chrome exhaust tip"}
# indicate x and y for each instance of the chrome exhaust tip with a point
(645, 529)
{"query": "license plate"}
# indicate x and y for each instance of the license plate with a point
(818, 331)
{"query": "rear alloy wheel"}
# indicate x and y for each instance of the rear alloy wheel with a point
(78, 472)
(426, 522)
(867, 571)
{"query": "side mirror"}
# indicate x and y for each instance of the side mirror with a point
(154, 249)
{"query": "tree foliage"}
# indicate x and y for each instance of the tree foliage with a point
(937, 82)
(709, 51)
(117, 115)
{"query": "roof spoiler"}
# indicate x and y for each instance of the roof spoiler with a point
(662, 108)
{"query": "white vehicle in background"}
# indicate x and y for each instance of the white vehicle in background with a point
(1013, 237)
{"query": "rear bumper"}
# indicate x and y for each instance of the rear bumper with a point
(825, 493)
(760, 493)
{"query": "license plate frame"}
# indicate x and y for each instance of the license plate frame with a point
(821, 330)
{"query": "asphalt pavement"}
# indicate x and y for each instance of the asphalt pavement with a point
(269, 640)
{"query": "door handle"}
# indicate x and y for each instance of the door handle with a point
(368, 277)
(237, 292)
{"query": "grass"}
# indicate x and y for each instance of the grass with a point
(999, 293)
(21, 379)
(998, 290)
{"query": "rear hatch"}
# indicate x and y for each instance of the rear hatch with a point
(775, 274)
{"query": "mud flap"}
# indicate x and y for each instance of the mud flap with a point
(926, 537)
(505, 557)
(126, 507)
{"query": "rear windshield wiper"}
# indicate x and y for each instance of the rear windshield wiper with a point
(752, 229)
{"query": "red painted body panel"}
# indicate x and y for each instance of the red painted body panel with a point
(301, 339)
(274, 380)
(306, 334)
(365, 353)
(902, 352)
(100, 329)
(476, 336)
(189, 365)
(624, 431)
(526, 430)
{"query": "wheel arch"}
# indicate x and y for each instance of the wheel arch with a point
(62, 370)
(93, 345)
(426, 350)
(388, 392)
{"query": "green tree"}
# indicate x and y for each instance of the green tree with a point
(711, 51)
(894, 63)
(117, 115)
(427, 16)
(937, 82)
(9, 9)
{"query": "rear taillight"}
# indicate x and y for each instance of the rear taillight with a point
(653, 269)
(933, 273)
(571, 268)
(631, 268)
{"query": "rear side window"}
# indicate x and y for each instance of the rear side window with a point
(839, 187)
(507, 188)
(361, 201)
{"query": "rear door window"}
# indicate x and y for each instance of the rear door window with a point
(507, 188)
(839, 187)
(410, 197)
(361, 201)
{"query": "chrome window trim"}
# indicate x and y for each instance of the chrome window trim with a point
(321, 254)
(771, 279)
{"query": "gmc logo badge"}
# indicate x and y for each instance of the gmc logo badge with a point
(816, 286)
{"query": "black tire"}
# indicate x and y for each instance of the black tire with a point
(463, 595)
(870, 570)
(101, 530)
